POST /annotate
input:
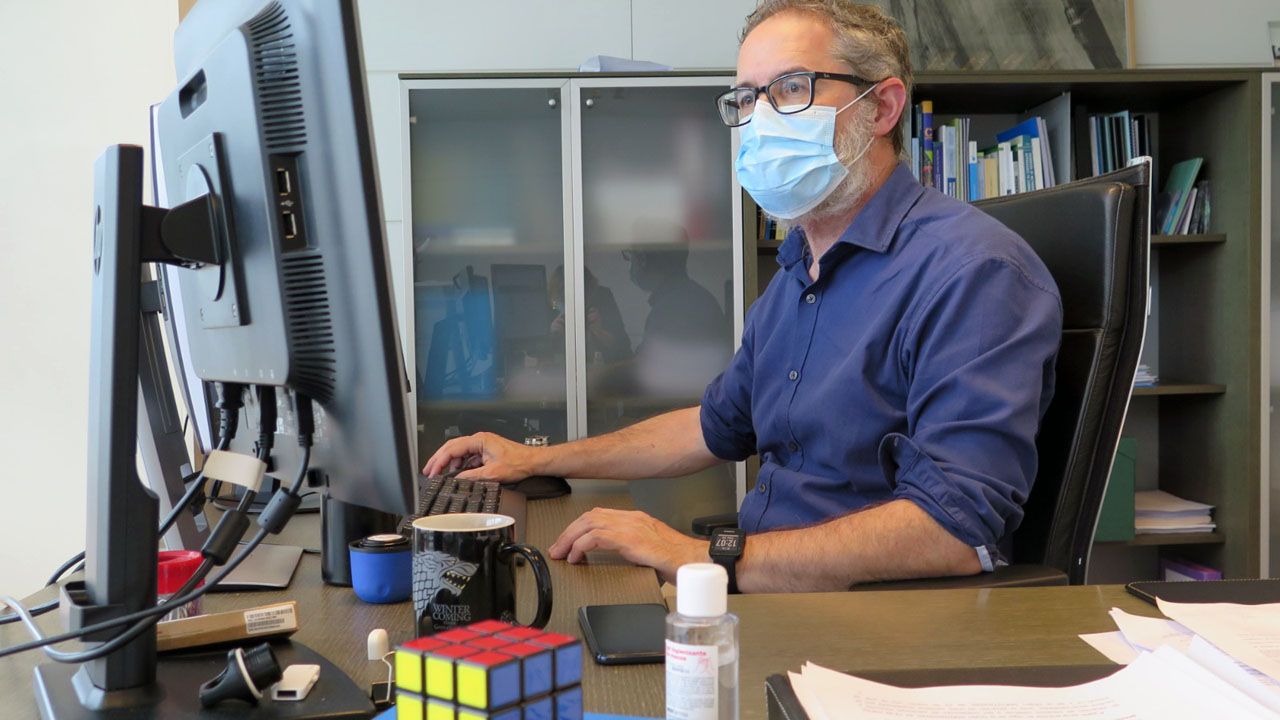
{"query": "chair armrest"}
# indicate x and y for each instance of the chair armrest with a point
(1024, 575)
(702, 526)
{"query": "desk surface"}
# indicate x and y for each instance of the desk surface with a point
(921, 630)
(335, 623)
(860, 632)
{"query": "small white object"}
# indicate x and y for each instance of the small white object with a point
(702, 590)
(378, 644)
(243, 470)
(610, 63)
(296, 683)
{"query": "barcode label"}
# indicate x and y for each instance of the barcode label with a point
(270, 619)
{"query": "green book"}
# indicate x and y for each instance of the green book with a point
(1181, 179)
(1115, 522)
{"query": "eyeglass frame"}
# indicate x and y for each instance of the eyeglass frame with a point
(813, 75)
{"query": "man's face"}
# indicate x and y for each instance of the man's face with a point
(789, 42)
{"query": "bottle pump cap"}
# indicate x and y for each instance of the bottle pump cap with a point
(702, 590)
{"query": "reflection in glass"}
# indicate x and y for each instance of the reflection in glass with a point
(488, 230)
(657, 223)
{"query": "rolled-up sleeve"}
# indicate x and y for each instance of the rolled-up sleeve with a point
(978, 357)
(726, 405)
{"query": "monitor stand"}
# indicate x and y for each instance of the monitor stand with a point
(120, 563)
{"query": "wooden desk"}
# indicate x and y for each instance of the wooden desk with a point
(335, 623)
(859, 632)
(921, 630)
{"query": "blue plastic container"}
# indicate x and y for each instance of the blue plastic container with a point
(382, 568)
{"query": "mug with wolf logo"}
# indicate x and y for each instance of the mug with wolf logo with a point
(464, 571)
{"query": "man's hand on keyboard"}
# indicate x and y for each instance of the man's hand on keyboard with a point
(635, 535)
(488, 456)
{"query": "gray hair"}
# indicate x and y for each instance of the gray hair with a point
(870, 42)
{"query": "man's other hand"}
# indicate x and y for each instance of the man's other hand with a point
(635, 535)
(489, 457)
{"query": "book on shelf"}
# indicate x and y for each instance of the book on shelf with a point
(955, 159)
(1176, 204)
(1116, 138)
(926, 143)
(1144, 377)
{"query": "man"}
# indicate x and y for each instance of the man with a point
(892, 377)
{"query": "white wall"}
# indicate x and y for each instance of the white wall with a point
(74, 77)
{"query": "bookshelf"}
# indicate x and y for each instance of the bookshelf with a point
(1200, 431)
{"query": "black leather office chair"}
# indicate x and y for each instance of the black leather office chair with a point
(1094, 236)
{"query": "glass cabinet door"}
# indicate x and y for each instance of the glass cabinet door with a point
(654, 179)
(489, 215)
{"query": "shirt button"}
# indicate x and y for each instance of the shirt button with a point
(793, 446)
(793, 375)
(760, 487)
(811, 298)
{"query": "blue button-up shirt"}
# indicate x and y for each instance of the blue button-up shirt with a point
(918, 366)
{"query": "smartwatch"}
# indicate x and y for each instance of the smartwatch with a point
(726, 547)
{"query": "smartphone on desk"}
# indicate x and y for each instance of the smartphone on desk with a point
(625, 634)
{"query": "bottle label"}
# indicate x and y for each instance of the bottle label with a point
(692, 673)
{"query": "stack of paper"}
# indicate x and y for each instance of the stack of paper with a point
(1144, 377)
(1238, 643)
(1160, 684)
(1156, 511)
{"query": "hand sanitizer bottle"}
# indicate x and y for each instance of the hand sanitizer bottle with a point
(702, 647)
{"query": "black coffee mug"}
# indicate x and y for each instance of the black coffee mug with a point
(464, 571)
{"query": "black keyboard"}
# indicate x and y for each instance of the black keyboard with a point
(440, 495)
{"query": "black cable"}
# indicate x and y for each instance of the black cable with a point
(62, 570)
(148, 616)
(178, 598)
(226, 431)
(75, 562)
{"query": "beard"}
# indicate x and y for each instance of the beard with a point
(854, 141)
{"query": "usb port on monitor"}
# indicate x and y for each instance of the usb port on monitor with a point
(284, 183)
(290, 225)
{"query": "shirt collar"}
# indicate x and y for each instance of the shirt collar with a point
(875, 225)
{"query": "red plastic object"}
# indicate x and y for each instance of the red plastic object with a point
(174, 568)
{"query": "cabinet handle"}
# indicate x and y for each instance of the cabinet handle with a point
(552, 102)
(590, 102)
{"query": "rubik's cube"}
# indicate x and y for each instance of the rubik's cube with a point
(490, 671)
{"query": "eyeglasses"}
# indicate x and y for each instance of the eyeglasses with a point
(789, 94)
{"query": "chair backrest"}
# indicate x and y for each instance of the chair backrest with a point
(1094, 236)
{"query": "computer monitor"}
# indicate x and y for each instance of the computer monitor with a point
(274, 217)
(521, 310)
(305, 301)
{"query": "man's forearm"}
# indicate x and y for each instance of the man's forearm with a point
(668, 445)
(893, 541)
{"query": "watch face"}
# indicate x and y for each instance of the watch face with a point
(726, 543)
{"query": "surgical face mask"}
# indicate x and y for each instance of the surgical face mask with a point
(788, 162)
